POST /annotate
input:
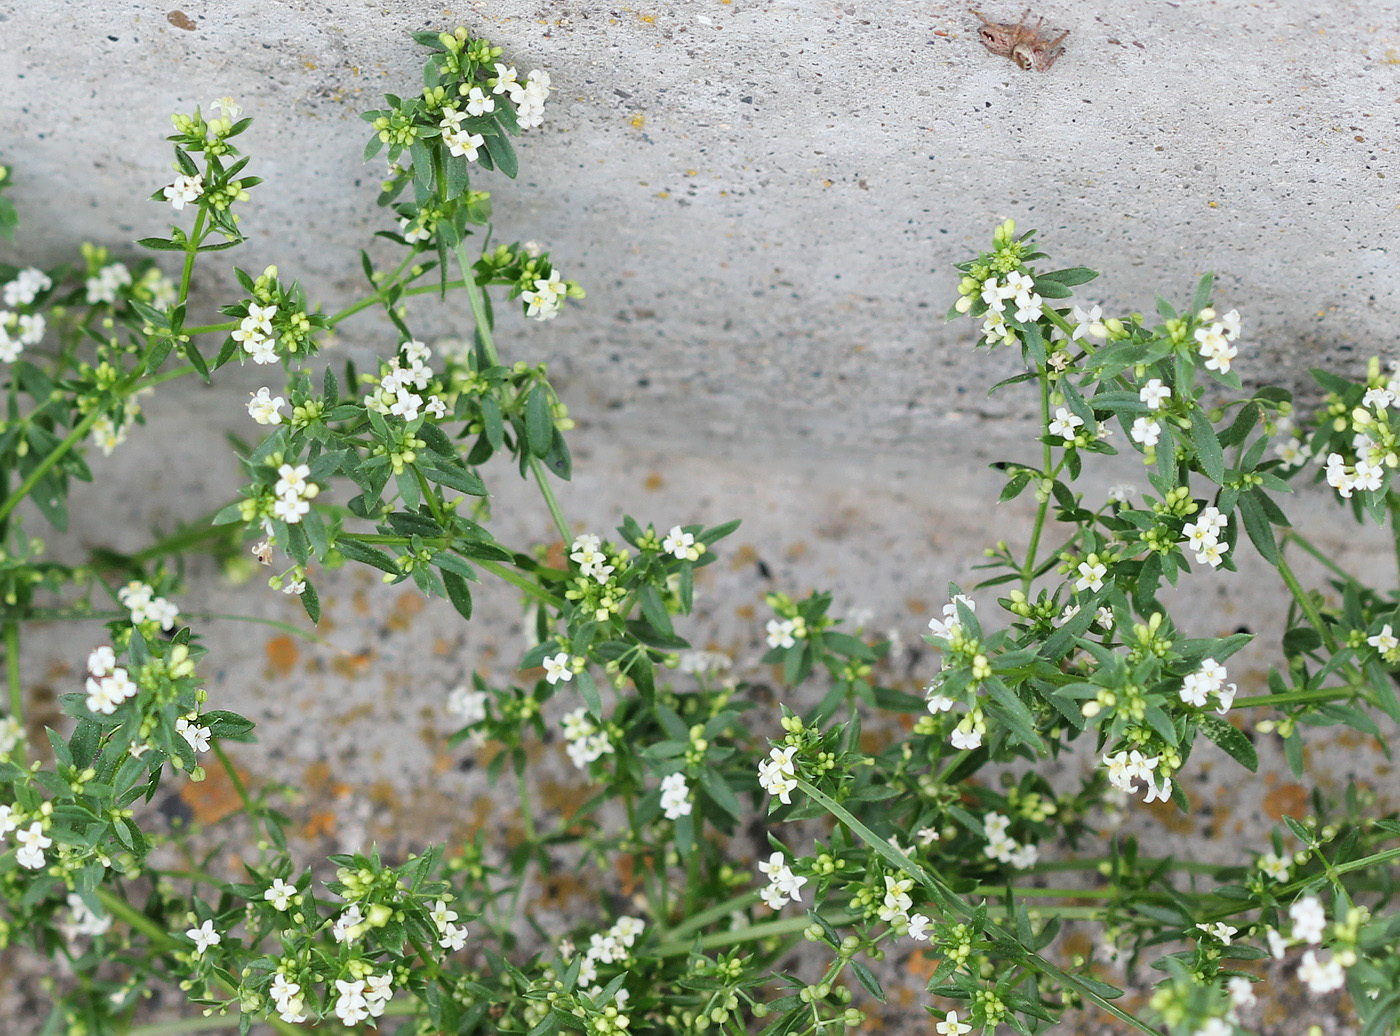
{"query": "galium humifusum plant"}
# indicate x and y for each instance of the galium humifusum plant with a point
(928, 846)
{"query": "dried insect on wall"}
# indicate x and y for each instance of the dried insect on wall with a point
(1024, 44)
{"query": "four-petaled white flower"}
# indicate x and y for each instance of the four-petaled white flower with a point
(950, 1026)
(1274, 865)
(780, 633)
(280, 894)
(204, 937)
(1146, 431)
(1385, 641)
(557, 668)
(32, 842)
(1064, 424)
(185, 189)
(264, 407)
(1091, 575)
(681, 544)
(1154, 394)
(675, 796)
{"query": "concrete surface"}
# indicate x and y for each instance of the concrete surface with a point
(763, 200)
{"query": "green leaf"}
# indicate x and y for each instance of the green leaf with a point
(868, 980)
(367, 555)
(539, 424)
(1207, 446)
(1201, 299)
(458, 592)
(1256, 524)
(718, 789)
(589, 691)
(459, 479)
(311, 602)
(1236, 745)
(654, 610)
(1071, 276)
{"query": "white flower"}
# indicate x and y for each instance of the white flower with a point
(1318, 976)
(949, 623)
(280, 894)
(291, 509)
(773, 897)
(940, 703)
(1278, 945)
(1385, 641)
(1091, 576)
(1220, 930)
(780, 634)
(453, 938)
(32, 842)
(1090, 322)
(478, 103)
(264, 407)
(443, 915)
(227, 107)
(557, 668)
(1368, 476)
(436, 408)
(1241, 992)
(965, 737)
(351, 1007)
(461, 143)
(1065, 423)
(627, 929)
(1274, 865)
(1309, 919)
(25, 288)
(950, 1026)
(204, 937)
(1214, 1027)
(184, 189)
(777, 774)
(680, 544)
(103, 660)
(1146, 431)
(7, 821)
(675, 796)
(349, 924)
(198, 737)
(468, 705)
(1154, 393)
(918, 927)
(504, 81)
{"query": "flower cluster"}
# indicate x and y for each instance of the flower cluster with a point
(31, 840)
(396, 395)
(611, 947)
(1203, 537)
(1208, 679)
(294, 493)
(1006, 850)
(108, 684)
(894, 908)
(783, 885)
(587, 742)
(254, 333)
(265, 408)
(20, 329)
(451, 936)
(1126, 768)
(528, 97)
(777, 774)
(1309, 925)
(1018, 289)
(462, 143)
(139, 598)
(106, 283)
(1214, 340)
(1346, 479)
(587, 553)
(361, 998)
(675, 796)
(542, 300)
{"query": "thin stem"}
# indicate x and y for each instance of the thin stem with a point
(519, 581)
(751, 933)
(1305, 602)
(191, 250)
(1046, 459)
(1293, 536)
(13, 678)
(1293, 698)
(42, 468)
(550, 501)
(233, 777)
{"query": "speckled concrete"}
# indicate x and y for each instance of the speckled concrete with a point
(763, 200)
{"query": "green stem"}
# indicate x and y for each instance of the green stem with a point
(233, 777)
(1293, 698)
(13, 678)
(379, 294)
(752, 933)
(550, 501)
(1305, 602)
(1293, 536)
(1046, 459)
(42, 468)
(191, 250)
(205, 329)
(953, 903)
